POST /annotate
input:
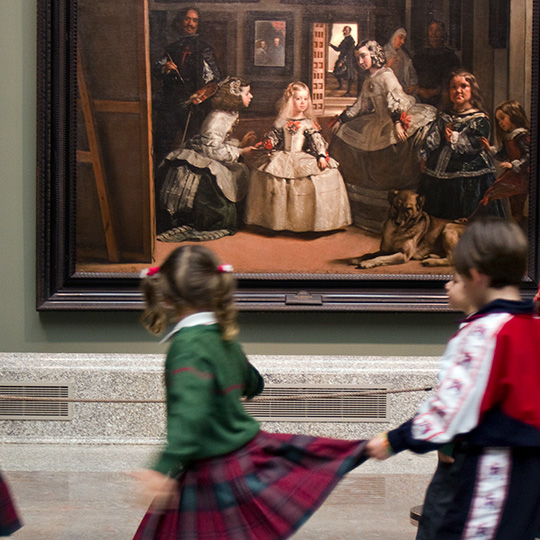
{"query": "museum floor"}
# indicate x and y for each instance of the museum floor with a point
(104, 505)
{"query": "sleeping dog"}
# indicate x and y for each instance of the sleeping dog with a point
(410, 233)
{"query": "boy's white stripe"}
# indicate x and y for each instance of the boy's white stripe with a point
(491, 490)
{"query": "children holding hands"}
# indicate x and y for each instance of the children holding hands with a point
(220, 475)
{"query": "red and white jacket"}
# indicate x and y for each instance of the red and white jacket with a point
(489, 394)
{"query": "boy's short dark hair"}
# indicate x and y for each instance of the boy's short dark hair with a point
(495, 247)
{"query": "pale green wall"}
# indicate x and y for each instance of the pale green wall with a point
(23, 329)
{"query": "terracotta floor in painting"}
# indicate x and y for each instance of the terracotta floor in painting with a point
(258, 251)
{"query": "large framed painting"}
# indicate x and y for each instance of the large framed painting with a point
(139, 152)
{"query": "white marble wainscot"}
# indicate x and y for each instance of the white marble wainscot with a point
(124, 436)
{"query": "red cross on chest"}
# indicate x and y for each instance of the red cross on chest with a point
(185, 53)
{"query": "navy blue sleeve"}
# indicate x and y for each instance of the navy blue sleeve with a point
(401, 439)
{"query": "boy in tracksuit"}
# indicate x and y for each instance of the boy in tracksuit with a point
(489, 397)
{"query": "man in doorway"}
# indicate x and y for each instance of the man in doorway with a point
(185, 67)
(433, 64)
(344, 66)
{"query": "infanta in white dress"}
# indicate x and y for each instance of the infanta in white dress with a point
(288, 191)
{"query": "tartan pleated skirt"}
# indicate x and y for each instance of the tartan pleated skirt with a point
(266, 490)
(9, 520)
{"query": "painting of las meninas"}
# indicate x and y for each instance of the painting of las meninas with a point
(323, 142)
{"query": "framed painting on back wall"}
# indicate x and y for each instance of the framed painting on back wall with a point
(271, 36)
(100, 105)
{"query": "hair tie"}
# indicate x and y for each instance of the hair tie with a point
(147, 272)
(225, 268)
(235, 85)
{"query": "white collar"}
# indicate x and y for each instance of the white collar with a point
(200, 318)
(514, 133)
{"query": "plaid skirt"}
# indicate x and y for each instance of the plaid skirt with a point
(266, 490)
(9, 520)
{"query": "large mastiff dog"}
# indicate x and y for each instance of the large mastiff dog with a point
(410, 233)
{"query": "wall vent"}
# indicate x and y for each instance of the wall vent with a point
(36, 410)
(309, 403)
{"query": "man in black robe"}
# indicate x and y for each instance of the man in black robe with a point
(185, 67)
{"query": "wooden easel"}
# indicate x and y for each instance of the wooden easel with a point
(93, 156)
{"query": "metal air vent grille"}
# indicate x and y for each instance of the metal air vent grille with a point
(320, 403)
(51, 409)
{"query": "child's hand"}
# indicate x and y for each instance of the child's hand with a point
(448, 133)
(505, 165)
(401, 134)
(485, 143)
(378, 447)
(247, 150)
(248, 139)
(162, 489)
(266, 144)
(323, 164)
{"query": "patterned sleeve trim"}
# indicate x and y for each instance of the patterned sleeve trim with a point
(316, 143)
(272, 140)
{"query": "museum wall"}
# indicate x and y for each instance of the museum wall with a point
(25, 330)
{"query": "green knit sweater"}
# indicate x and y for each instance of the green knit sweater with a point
(205, 378)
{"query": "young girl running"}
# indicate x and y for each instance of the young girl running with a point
(296, 186)
(513, 156)
(219, 475)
